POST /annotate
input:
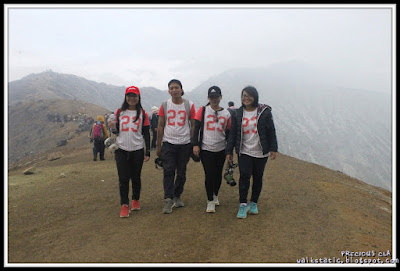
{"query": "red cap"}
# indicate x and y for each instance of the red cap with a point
(132, 89)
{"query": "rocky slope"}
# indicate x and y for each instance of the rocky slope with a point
(37, 126)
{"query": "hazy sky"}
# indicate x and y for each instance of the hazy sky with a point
(149, 45)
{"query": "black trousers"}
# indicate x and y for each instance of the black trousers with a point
(154, 140)
(129, 166)
(175, 159)
(251, 166)
(213, 163)
(98, 147)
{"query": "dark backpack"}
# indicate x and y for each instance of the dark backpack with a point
(98, 133)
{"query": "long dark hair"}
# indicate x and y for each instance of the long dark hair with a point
(139, 107)
(252, 91)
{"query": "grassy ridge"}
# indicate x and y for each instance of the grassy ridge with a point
(305, 211)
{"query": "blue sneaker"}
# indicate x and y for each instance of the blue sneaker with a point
(253, 208)
(243, 209)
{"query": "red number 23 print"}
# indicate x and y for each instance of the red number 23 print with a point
(246, 123)
(126, 120)
(172, 115)
(210, 125)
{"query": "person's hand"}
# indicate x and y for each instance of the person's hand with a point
(229, 158)
(196, 150)
(146, 158)
(272, 155)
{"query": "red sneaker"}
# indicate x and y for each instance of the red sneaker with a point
(135, 205)
(124, 211)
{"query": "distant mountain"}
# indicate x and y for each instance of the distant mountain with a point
(53, 85)
(317, 120)
(343, 129)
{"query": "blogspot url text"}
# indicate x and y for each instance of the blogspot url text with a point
(353, 257)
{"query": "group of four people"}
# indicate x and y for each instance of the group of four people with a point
(210, 134)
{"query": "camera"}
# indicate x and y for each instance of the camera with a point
(158, 162)
(228, 176)
(107, 142)
(113, 147)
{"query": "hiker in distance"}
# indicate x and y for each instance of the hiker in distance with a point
(132, 127)
(253, 136)
(154, 126)
(231, 107)
(212, 124)
(98, 134)
(175, 127)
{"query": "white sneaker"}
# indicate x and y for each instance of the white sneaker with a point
(215, 200)
(210, 207)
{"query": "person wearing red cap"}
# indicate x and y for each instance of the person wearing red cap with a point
(175, 127)
(133, 139)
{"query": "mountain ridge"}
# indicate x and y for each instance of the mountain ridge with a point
(305, 210)
(38, 126)
(53, 85)
(343, 129)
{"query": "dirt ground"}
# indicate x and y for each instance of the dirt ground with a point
(305, 212)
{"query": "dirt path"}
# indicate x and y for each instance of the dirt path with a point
(304, 211)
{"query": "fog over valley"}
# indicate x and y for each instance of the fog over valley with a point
(348, 130)
(326, 70)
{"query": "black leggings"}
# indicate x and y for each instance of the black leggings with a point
(154, 139)
(129, 166)
(213, 163)
(251, 166)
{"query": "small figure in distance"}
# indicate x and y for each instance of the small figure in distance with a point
(98, 134)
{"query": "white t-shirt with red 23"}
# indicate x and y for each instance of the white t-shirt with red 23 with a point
(215, 125)
(130, 137)
(250, 139)
(177, 129)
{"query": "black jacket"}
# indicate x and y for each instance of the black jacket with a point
(154, 121)
(265, 128)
